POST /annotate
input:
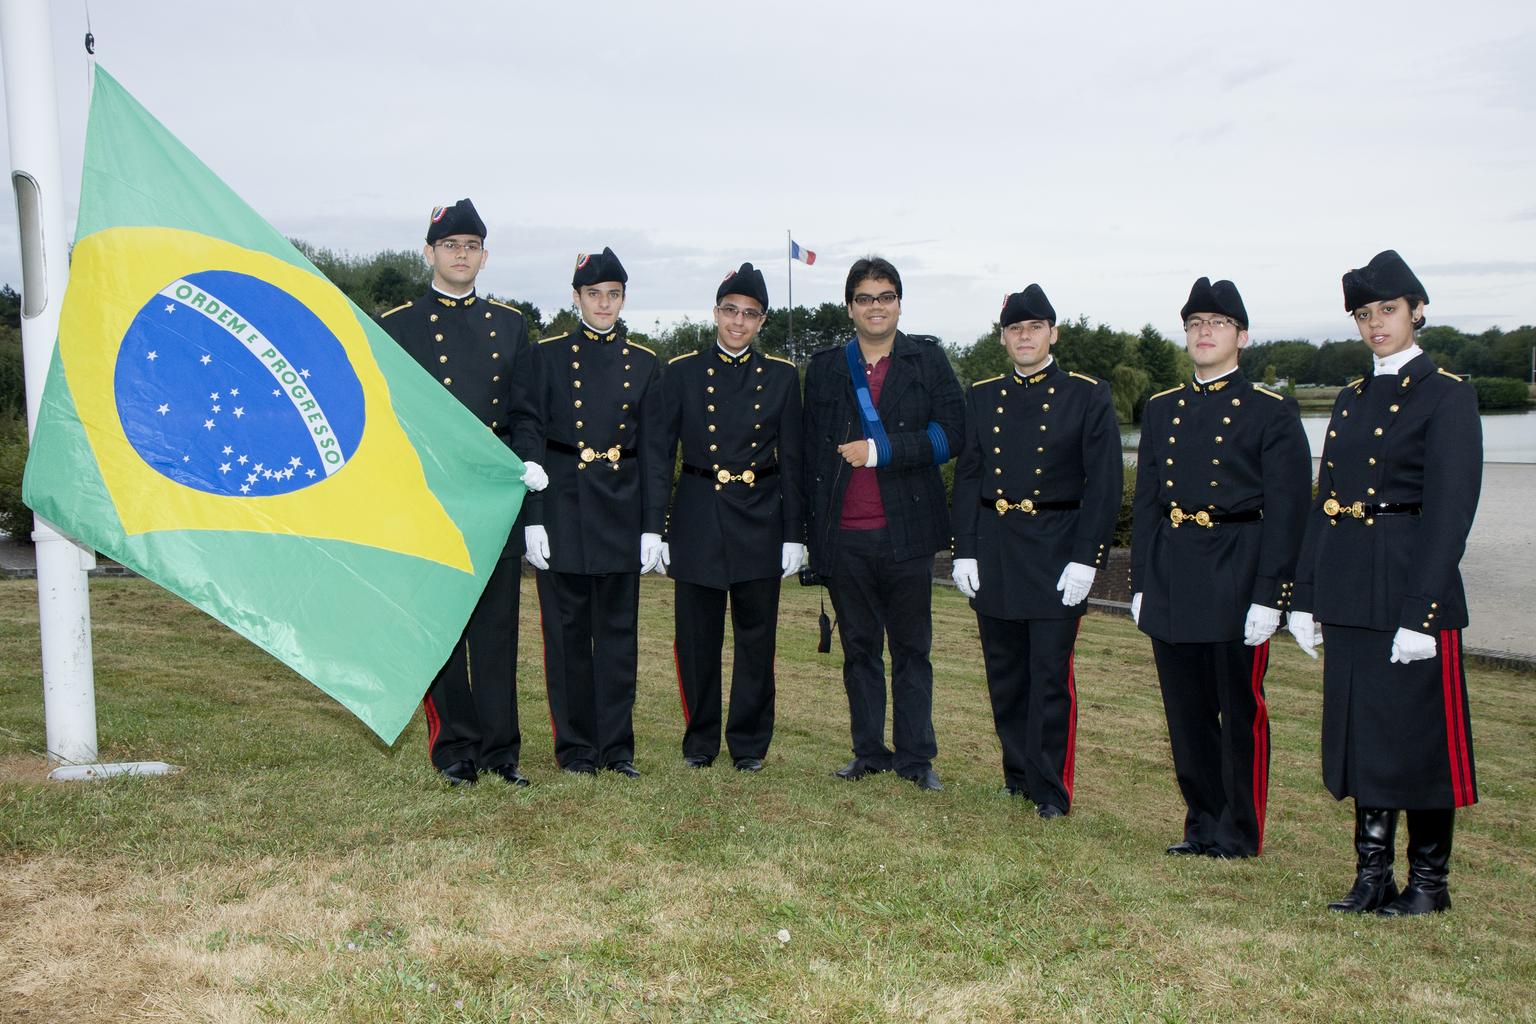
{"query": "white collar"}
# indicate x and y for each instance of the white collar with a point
(1397, 360)
(733, 355)
(450, 295)
(1216, 378)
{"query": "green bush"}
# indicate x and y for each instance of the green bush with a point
(15, 518)
(1501, 393)
(1123, 520)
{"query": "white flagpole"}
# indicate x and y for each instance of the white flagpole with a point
(789, 268)
(63, 601)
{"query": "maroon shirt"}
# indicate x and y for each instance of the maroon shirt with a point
(862, 507)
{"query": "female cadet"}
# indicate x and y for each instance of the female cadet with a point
(1378, 582)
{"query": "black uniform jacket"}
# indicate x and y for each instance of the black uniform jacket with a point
(739, 417)
(1224, 447)
(1409, 438)
(605, 451)
(1049, 438)
(478, 349)
(920, 388)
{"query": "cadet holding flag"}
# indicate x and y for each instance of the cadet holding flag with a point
(1037, 492)
(598, 527)
(478, 350)
(737, 514)
(1222, 484)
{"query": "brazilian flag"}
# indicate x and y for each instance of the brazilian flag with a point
(221, 419)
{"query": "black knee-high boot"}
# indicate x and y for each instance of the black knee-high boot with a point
(1429, 865)
(1375, 832)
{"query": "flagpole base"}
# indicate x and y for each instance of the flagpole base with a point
(97, 772)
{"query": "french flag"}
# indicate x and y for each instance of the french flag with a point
(796, 252)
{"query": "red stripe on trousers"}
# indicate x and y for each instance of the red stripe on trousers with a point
(681, 695)
(1260, 740)
(434, 723)
(1069, 767)
(1455, 724)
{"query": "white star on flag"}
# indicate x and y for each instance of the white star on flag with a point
(304, 374)
(152, 355)
(245, 489)
(234, 392)
(239, 411)
(242, 459)
(228, 450)
(214, 397)
(223, 467)
(171, 308)
(163, 409)
(206, 359)
(218, 409)
(309, 473)
(295, 461)
(207, 424)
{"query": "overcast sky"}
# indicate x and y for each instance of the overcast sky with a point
(1112, 152)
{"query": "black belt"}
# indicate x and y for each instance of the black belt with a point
(1203, 518)
(613, 454)
(725, 476)
(1002, 506)
(1360, 510)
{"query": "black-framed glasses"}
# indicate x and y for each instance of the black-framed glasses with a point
(883, 299)
(1196, 323)
(448, 245)
(751, 316)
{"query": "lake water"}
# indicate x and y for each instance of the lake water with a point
(1507, 436)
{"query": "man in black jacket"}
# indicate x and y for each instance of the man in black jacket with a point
(1223, 477)
(598, 526)
(738, 519)
(1037, 490)
(882, 414)
(478, 349)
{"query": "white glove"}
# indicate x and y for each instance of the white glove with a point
(1076, 580)
(650, 552)
(666, 557)
(1261, 624)
(536, 540)
(534, 477)
(1136, 608)
(967, 577)
(1411, 645)
(1308, 633)
(792, 558)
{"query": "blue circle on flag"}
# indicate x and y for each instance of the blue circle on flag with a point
(230, 385)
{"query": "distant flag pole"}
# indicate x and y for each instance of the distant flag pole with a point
(795, 252)
(63, 597)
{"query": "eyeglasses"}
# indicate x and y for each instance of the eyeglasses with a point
(1195, 323)
(450, 246)
(732, 312)
(883, 299)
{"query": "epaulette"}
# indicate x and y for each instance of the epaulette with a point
(1356, 383)
(554, 337)
(780, 359)
(1458, 378)
(503, 305)
(403, 305)
(685, 355)
(1170, 391)
(636, 344)
(1082, 376)
(989, 380)
(1261, 389)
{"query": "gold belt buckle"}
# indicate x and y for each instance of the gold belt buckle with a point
(613, 454)
(1178, 516)
(746, 476)
(587, 455)
(1002, 506)
(1332, 509)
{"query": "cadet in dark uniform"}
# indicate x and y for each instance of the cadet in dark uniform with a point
(1222, 484)
(1379, 573)
(598, 527)
(478, 348)
(1037, 492)
(737, 517)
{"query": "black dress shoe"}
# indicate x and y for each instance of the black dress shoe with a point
(624, 768)
(698, 761)
(578, 768)
(926, 779)
(1187, 848)
(857, 769)
(1050, 811)
(460, 773)
(749, 764)
(510, 775)
(1222, 853)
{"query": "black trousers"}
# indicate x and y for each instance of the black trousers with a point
(471, 706)
(589, 665)
(698, 642)
(876, 597)
(1034, 702)
(1218, 725)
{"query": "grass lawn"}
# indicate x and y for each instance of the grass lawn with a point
(299, 870)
